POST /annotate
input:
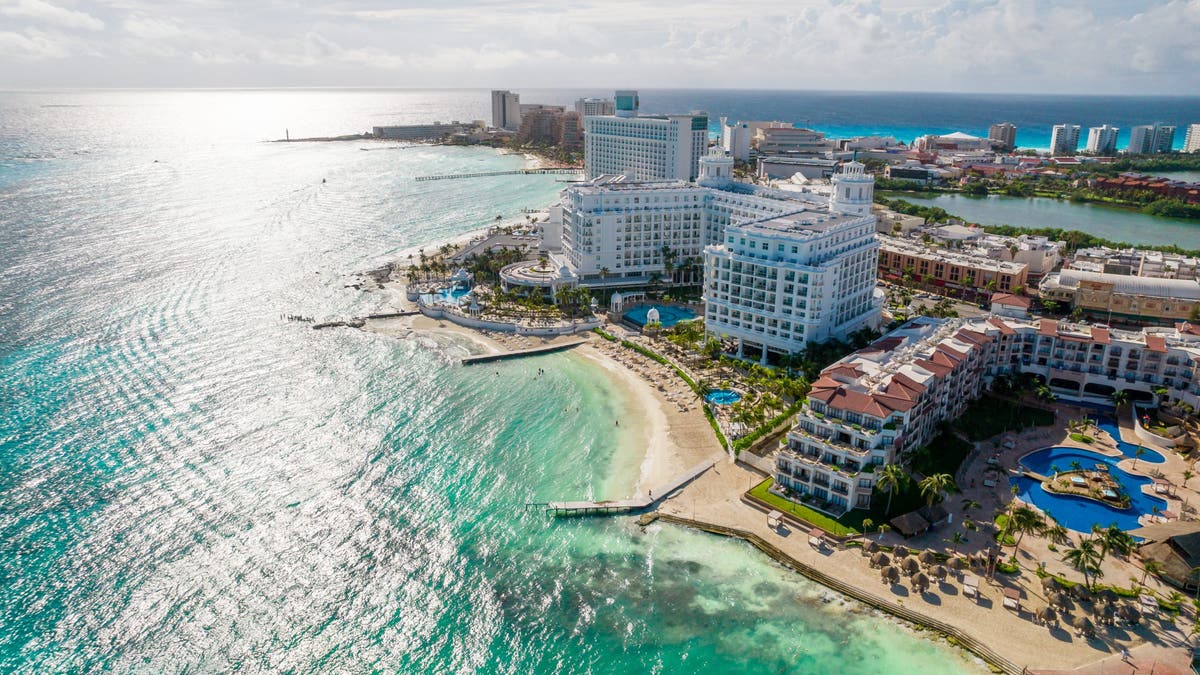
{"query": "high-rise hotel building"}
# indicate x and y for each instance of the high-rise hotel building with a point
(780, 269)
(644, 148)
(775, 284)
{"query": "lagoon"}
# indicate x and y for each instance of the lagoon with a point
(1115, 224)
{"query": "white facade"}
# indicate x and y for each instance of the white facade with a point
(790, 140)
(1150, 139)
(1102, 140)
(735, 139)
(1191, 142)
(778, 283)
(506, 110)
(1064, 139)
(648, 148)
(595, 106)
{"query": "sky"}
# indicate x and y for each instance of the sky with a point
(1034, 46)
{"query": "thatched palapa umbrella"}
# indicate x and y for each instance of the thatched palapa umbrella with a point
(927, 558)
(889, 574)
(955, 564)
(1047, 616)
(920, 582)
(871, 548)
(910, 566)
(1106, 595)
(880, 560)
(1056, 599)
(900, 551)
(1049, 584)
(939, 572)
(1082, 593)
(1129, 614)
(1084, 626)
(1109, 613)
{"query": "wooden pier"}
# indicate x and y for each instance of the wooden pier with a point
(532, 351)
(609, 507)
(485, 174)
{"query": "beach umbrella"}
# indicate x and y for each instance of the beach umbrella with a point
(1047, 615)
(1108, 613)
(1106, 594)
(900, 551)
(920, 582)
(910, 566)
(955, 564)
(1081, 592)
(880, 560)
(939, 572)
(870, 548)
(889, 574)
(1049, 584)
(1129, 614)
(1084, 626)
(927, 557)
(1056, 599)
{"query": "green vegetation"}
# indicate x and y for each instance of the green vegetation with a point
(989, 416)
(1082, 438)
(812, 516)
(1009, 566)
(750, 438)
(607, 336)
(944, 454)
(1003, 529)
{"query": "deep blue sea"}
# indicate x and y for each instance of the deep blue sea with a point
(189, 483)
(908, 115)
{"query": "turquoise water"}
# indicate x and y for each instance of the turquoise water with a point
(1078, 513)
(1115, 224)
(668, 315)
(723, 397)
(188, 483)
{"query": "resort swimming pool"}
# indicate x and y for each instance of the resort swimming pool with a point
(1128, 449)
(668, 315)
(723, 397)
(448, 296)
(1078, 513)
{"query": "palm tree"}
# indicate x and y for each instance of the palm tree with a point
(1086, 560)
(1119, 397)
(1024, 520)
(867, 524)
(1187, 475)
(935, 487)
(1113, 539)
(1150, 567)
(883, 529)
(1137, 454)
(892, 478)
(956, 539)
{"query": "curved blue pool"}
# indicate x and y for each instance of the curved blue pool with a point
(448, 296)
(1128, 449)
(668, 315)
(1078, 513)
(723, 396)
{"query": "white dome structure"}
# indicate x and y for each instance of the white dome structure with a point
(652, 316)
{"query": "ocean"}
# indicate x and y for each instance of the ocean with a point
(190, 483)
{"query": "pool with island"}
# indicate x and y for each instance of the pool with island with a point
(723, 397)
(668, 315)
(1081, 513)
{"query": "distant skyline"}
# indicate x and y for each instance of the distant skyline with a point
(984, 46)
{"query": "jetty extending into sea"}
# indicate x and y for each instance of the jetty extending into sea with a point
(609, 507)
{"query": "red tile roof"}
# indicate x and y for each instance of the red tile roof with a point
(1048, 327)
(1011, 300)
(1005, 329)
(1156, 343)
(1101, 335)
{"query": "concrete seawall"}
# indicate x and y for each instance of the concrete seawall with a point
(532, 351)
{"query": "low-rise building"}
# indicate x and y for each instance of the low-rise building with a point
(786, 167)
(880, 403)
(948, 267)
(1124, 298)
(789, 140)
(1136, 262)
(938, 143)
(1010, 305)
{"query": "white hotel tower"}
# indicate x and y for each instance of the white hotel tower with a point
(808, 275)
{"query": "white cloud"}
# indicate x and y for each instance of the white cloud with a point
(1069, 46)
(44, 12)
(33, 45)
